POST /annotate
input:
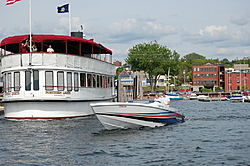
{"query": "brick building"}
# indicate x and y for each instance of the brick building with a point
(237, 77)
(208, 75)
(117, 64)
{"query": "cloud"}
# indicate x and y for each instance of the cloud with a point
(219, 36)
(133, 29)
(61, 27)
(232, 53)
(240, 19)
(226, 51)
(213, 34)
(247, 52)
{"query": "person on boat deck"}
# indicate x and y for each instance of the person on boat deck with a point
(157, 99)
(148, 97)
(138, 97)
(34, 49)
(50, 49)
(23, 47)
(165, 100)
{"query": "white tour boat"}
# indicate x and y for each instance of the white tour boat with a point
(61, 84)
(121, 115)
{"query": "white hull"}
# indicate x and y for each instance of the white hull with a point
(134, 115)
(47, 110)
(236, 99)
(193, 96)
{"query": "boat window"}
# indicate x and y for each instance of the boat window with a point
(27, 80)
(97, 81)
(101, 81)
(112, 81)
(36, 80)
(69, 81)
(16, 81)
(94, 80)
(90, 80)
(83, 79)
(109, 82)
(8, 82)
(104, 82)
(60, 81)
(76, 82)
(4, 83)
(49, 83)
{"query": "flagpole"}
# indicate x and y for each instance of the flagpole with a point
(30, 25)
(69, 22)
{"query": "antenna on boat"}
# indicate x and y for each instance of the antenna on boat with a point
(84, 35)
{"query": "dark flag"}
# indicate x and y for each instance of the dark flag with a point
(63, 9)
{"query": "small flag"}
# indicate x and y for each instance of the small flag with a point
(63, 9)
(10, 2)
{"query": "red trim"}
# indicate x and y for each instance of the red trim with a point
(51, 38)
(148, 115)
(20, 118)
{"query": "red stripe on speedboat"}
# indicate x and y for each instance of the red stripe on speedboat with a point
(147, 115)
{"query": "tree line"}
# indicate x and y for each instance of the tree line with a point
(155, 60)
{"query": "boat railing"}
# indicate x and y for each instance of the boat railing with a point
(101, 57)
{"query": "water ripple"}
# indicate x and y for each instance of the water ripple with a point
(215, 133)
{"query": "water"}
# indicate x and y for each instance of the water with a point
(215, 133)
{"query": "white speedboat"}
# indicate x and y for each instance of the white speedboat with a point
(121, 115)
(203, 98)
(61, 84)
(193, 96)
(236, 97)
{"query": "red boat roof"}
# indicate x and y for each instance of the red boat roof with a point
(13, 40)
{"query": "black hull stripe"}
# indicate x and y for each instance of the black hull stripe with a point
(150, 119)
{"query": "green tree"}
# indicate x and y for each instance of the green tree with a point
(154, 59)
(192, 56)
(118, 71)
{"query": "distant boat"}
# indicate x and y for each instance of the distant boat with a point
(193, 96)
(236, 97)
(203, 98)
(121, 115)
(175, 97)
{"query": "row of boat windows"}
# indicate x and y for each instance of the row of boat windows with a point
(70, 81)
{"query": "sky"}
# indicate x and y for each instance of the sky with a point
(215, 28)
